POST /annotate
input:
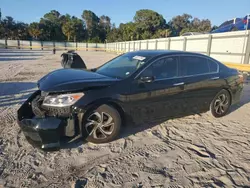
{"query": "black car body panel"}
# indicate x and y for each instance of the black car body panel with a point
(64, 80)
(133, 98)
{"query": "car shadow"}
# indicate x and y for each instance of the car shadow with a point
(130, 128)
(12, 93)
(245, 98)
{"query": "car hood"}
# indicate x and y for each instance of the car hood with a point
(65, 80)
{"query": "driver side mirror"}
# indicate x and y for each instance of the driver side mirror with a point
(146, 79)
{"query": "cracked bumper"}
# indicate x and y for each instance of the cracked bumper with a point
(41, 132)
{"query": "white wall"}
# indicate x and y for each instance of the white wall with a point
(227, 47)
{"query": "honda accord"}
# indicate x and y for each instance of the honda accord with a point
(141, 85)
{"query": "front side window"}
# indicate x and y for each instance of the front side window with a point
(193, 65)
(162, 68)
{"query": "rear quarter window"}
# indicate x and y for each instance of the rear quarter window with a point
(213, 66)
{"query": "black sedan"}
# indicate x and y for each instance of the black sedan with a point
(141, 85)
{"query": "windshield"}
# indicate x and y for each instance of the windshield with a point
(122, 66)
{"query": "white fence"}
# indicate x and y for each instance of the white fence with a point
(231, 47)
(48, 45)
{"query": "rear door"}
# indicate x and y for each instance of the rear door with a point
(201, 81)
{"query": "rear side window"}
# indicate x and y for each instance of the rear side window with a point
(193, 65)
(213, 66)
(230, 21)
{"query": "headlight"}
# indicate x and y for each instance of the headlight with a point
(62, 100)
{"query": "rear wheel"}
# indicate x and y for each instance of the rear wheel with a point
(102, 124)
(220, 104)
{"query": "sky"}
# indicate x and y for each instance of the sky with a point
(121, 11)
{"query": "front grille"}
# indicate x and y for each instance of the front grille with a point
(57, 111)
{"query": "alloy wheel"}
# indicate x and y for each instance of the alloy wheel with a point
(221, 104)
(100, 125)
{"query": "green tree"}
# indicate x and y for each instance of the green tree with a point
(205, 25)
(214, 27)
(1, 30)
(197, 25)
(148, 22)
(8, 25)
(114, 35)
(72, 28)
(105, 23)
(128, 31)
(51, 24)
(79, 29)
(180, 22)
(13, 30)
(104, 27)
(162, 33)
(91, 21)
(34, 30)
(21, 31)
(67, 27)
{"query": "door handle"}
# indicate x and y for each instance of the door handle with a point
(215, 78)
(179, 84)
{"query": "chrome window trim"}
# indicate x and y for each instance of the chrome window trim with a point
(208, 58)
(178, 56)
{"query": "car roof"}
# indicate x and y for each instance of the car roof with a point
(155, 53)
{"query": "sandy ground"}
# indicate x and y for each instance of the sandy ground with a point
(192, 151)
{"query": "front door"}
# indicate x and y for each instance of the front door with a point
(158, 97)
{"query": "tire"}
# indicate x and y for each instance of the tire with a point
(221, 103)
(102, 125)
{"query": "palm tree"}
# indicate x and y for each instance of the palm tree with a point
(34, 30)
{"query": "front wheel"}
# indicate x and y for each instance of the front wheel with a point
(102, 124)
(221, 103)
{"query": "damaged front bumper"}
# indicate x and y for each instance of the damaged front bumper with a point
(44, 132)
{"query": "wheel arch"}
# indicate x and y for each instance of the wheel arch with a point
(110, 102)
(230, 93)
